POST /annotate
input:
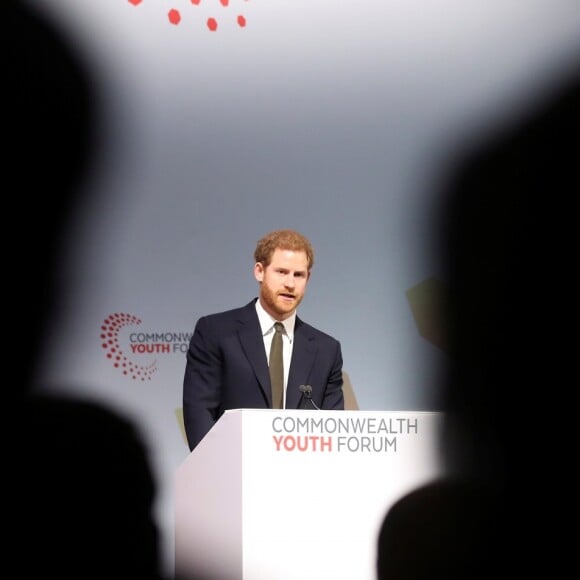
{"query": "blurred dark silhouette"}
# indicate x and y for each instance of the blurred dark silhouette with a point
(86, 494)
(505, 235)
(434, 532)
(85, 490)
(52, 119)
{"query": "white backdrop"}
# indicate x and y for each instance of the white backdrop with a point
(333, 118)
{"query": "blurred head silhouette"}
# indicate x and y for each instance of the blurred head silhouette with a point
(50, 133)
(505, 239)
(84, 485)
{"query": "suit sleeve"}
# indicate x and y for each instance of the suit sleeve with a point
(201, 383)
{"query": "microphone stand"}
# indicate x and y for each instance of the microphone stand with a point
(306, 391)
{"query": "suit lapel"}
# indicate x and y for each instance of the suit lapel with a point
(303, 356)
(252, 344)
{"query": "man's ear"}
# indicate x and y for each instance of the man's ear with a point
(259, 271)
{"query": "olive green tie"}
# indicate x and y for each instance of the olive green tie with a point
(276, 363)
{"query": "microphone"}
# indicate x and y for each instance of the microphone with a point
(306, 391)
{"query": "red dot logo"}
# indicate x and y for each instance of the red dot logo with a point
(196, 13)
(111, 345)
(174, 16)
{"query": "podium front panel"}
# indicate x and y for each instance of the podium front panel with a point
(298, 495)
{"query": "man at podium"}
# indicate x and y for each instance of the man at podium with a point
(233, 357)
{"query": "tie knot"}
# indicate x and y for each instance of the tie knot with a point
(278, 327)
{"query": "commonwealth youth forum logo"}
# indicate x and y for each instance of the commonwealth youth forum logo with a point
(135, 352)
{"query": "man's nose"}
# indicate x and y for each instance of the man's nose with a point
(289, 280)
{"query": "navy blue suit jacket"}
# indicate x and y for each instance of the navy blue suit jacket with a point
(227, 368)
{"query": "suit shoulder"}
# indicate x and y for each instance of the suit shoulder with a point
(226, 316)
(316, 333)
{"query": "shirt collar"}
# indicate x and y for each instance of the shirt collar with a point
(267, 322)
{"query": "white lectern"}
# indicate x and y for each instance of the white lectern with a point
(297, 494)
